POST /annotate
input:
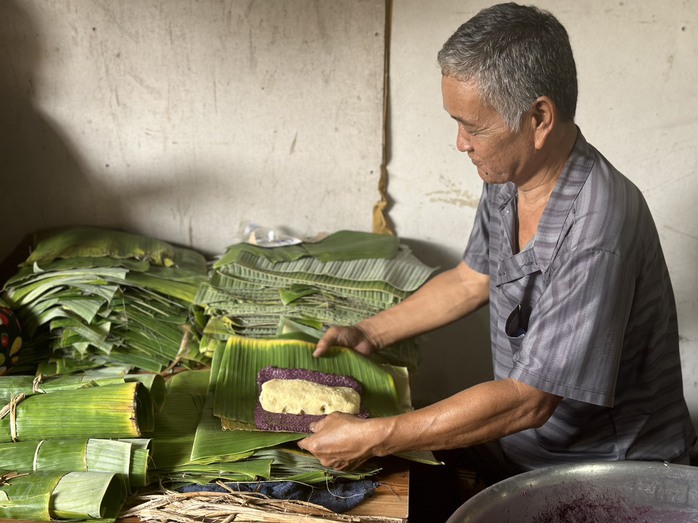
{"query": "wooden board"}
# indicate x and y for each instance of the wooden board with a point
(391, 499)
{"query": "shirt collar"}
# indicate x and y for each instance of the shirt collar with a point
(572, 179)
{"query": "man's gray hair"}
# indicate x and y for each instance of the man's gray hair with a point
(514, 54)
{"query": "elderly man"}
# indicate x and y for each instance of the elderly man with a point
(583, 319)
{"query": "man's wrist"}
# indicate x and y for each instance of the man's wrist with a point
(384, 430)
(370, 333)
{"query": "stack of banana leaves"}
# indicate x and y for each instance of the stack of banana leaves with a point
(89, 297)
(262, 292)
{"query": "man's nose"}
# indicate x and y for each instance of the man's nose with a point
(463, 143)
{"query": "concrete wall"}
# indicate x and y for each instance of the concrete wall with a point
(184, 119)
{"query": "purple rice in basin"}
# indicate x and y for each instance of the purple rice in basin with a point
(279, 422)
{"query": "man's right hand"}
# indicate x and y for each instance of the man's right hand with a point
(351, 337)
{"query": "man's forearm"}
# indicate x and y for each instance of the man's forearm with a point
(444, 299)
(485, 412)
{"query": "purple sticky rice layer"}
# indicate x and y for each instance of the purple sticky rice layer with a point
(278, 422)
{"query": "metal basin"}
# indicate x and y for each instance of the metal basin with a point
(626, 491)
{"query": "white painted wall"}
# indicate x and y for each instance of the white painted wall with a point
(183, 119)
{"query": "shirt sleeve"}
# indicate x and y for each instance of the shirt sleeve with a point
(477, 252)
(573, 343)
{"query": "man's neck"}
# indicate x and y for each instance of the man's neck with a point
(534, 193)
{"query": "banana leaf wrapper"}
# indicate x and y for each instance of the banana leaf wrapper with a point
(189, 445)
(236, 380)
(280, 422)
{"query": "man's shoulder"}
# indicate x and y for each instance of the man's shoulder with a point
(609, 212)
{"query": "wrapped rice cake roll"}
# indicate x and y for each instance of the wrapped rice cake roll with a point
(290, 400)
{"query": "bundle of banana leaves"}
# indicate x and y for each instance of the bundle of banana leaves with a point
(260, 292)
(50, 496)
(127, 458)
(119, 411)
(89, 297)
(72, 447)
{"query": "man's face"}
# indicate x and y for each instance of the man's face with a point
(498, 154)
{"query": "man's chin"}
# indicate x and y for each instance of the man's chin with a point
(488, 178)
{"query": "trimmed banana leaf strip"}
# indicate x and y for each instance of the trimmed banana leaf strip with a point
(247, 470)
(236, 380)
(89, 297)
(258, 292)
(401, 272)
(47, 496)
(378, 291)
(292, 464)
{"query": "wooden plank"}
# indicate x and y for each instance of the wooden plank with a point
(391, 498)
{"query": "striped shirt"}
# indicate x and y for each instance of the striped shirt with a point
(587, 312)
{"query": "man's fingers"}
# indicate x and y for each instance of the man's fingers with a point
(320, 349)
(324, 344)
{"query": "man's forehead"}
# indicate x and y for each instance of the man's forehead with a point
(462, 100)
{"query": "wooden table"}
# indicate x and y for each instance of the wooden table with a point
(390, 503)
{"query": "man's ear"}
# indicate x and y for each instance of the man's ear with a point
(543, 120)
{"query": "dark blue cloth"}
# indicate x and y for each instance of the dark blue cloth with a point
(338, 497)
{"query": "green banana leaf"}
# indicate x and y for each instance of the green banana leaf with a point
(80, 242)
(402, 271)
(236, 385)
(47, 496)
(341, 245)
(126, 458)
(112, 411)
(13, 385)
(108, 297)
